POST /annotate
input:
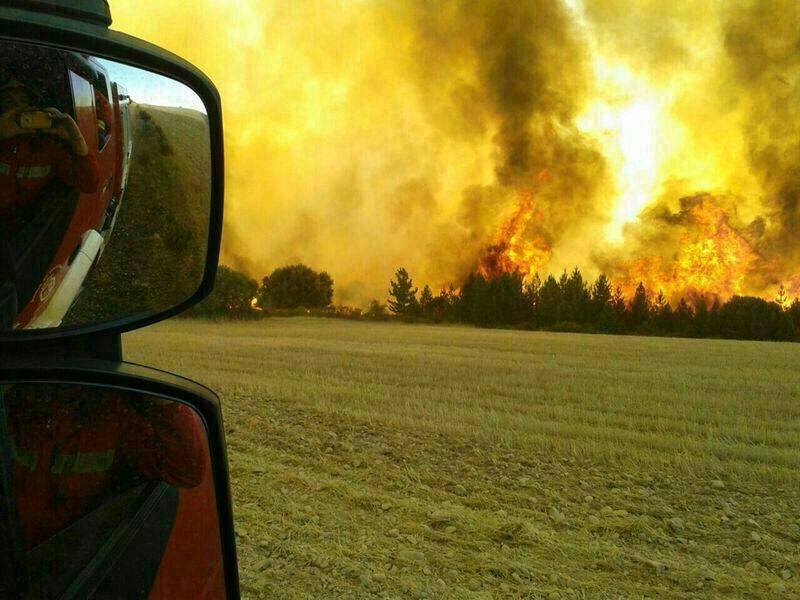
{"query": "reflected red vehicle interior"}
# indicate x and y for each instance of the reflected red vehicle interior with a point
(59, 227)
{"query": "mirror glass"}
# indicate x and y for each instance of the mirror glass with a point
(104, 189)
(107, 494)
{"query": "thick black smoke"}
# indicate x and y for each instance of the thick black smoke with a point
(519, 71)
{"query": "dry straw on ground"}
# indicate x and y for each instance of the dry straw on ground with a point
(383, 460)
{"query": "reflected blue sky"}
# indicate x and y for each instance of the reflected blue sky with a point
(148, 88)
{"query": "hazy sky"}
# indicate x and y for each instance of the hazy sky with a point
(150, 88)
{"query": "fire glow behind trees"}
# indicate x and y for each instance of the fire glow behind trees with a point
(366, 134)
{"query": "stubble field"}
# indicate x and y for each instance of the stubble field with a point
(391, 460)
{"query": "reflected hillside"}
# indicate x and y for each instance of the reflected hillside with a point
(161, 228)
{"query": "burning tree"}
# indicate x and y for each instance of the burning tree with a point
(700, 254)
(516, 247)
(571, 303)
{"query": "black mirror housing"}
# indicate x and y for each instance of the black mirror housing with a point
(95, 12)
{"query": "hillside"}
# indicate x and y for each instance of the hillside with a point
(155, 254)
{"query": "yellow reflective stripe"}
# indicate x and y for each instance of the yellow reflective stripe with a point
(83, 462)
(33, 172)
(27, 459)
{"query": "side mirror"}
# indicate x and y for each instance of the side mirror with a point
(111, 176)
(105, 190)
(114, 489)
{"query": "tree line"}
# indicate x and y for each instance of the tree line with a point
(237, 295)
(571, 303)
(566, 303)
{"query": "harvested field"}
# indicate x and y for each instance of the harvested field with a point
(390, 460)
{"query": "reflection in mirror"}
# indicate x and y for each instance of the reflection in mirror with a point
(107, 494)
(104, 189)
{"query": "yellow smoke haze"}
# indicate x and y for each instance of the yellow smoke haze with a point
(365, 135)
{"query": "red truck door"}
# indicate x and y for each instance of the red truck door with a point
(119, 139)
(90, 209)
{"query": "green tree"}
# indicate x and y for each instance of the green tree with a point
(750, 318)
(233, 295)
(619, 309)
(425, 299)
(562, 310)
(474, 301)
(295, 286)
(700, 323)
(550, 297)
(600, 310)
(662, 314)
(640, 307)
(683, 318)
(601, 294)
(404, 294)
(576, 298)
(794, 315)
(445, 306)
(509, 298)
(531, 293)
(713, 323)
(376, 310)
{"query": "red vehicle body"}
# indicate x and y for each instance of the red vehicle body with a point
(64, 240)
(191, 566)
(146, 538)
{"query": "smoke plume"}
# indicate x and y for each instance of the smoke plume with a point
(618, 136)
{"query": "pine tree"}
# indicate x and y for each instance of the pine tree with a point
(619, 309)
(640, 307)
(404, 294)
(600, 298)
(561, 308)
(794, 315)
(532, 291)
(782, 297)
(700, 323)
(510, 294)
(683, 317)
(713, 323)
(451, 303)
(425, 299)
(471, 300)
(549, 301)
(440, 308)
(662, 313)
(575, 307)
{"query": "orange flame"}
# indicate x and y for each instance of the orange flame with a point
(514, 247)
(712, 261)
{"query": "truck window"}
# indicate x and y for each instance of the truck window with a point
(105, 115)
